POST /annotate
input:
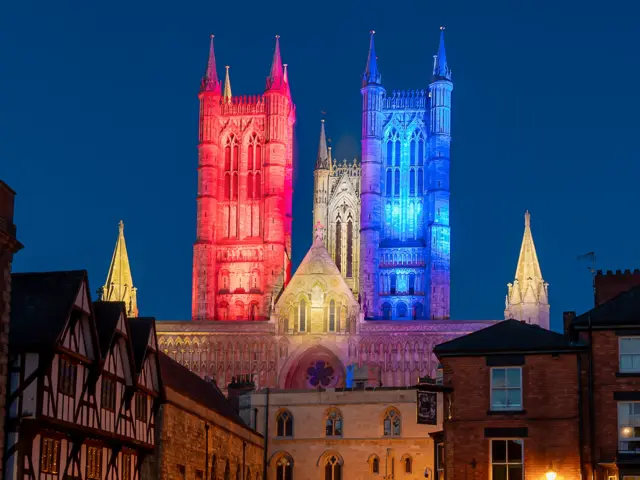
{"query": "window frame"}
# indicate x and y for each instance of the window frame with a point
(388, 414)
(52, 463)
(288, 421)
(334, 417)
(506, 463)
(632, 438)
(142, 406)
(94, 471)
(67, 384)
(506, 408)
(108, 397)
(620, 354)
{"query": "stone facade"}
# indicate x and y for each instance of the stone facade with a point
(8, 247)
(336, 206)
(345, 428)
(199, 437)
(245, 173)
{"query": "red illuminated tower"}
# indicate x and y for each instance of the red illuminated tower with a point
(241, 257)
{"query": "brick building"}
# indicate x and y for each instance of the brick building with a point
(343, 434)
(200, 436)
(611, 377)
(512, 412)
(8, 247)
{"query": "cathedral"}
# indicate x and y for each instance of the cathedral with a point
(370, 299)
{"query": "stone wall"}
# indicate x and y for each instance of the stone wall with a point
(189, 434)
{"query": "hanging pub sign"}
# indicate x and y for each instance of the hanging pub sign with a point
(427, 408)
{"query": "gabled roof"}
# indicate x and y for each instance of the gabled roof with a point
(41, 304)
(190, 385)
(107, 315)
(621, 311)
(141, 328)
(508, 336)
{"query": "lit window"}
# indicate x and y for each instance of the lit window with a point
(94, 463)
(629, 354)
(332, 316)
(67, 376)
(629, 426)
(506, 460)
(303, 316)
(49, 455)
(392, 423)
(126, 467)
(284, 424)
(332, 469)
(334, 424)
(440, 461)
(506, 388)
(284, 469)
(408, 465)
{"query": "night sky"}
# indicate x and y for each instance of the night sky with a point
(98, 122)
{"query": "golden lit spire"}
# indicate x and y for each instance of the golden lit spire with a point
(227, 86)
(119, 285)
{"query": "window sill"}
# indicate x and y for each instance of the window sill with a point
(506, 412)
(627, 374)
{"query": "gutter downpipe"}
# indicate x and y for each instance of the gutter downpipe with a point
(206, 450)
(266, 436)
(592, 416)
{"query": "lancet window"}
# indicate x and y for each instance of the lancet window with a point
(284, 469)
(420, 182)
(396, 182)
(333, 426)
(388, 183)
(412, 182)
(339, 245)
(392, 423)
(332, 316)
(302, 315)
(332, 468)
(284, 424)
(349, 248)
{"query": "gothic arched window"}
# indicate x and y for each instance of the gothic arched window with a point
(389, 153)
(401, 308)
(396, 182)
(420, 182)
(339, 245)
(397, 162)
(388, 183)
(412, 182)
(224, 311)
(417, 310)
(236, 152)
(420, 152)
(303, 316)
(349, 248)
(333, 427)
(227, 471)
(408, 465)
(284, 424)
(412, 152)
(394, 280)
(235, 186)
(332, 468)
(250, 186)
(258, 189)
(412, 283)
(227, 186)
(392, 423)
(386, 311)
(284, 469)
(258, 156)
(375, 465)
(250, 151)
(332, 316)
(227, 156)
(253, 311)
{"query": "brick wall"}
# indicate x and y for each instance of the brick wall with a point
(609, 284)
(550, 402)
(181, 444)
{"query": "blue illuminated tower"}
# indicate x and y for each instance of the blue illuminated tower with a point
(438, 229)
(404, 218)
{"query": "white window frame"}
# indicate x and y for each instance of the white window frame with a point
(507, 463)
(506, 408)
(620, 355)
(631, 424)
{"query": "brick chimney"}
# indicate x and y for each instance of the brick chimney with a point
(608, 285)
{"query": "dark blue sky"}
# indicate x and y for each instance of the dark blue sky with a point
(98, 122)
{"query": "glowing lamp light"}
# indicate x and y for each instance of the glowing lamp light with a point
(627, 432)
(551, 474)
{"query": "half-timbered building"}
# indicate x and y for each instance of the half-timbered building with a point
(84, 385)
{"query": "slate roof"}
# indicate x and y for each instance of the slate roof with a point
(508, 336)
(621, 311)
(141, 328)
(107, 315)
(187, 383)
(41, 303)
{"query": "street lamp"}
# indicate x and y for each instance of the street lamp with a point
(551, 474)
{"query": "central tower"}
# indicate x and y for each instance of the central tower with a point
(242, 252)
(405, 240)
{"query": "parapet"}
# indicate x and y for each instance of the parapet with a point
(243, 104)
(406, 99)
(610, 284)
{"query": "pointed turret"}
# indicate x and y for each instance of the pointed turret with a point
(441, 70)
(286, 79)
(322, 162)
(371, 74)
(210, 82)
(528, 297)
(119, 285)
(275, 80)
(227, 86)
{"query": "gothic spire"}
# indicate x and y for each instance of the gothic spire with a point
(210, 82)
(371, 74)
(227, 86)
(119, 285)
(322, 162)
(527, 297)
(440, 68)
(286, 79)
(275, 80)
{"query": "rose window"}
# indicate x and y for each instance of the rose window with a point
(321, 374)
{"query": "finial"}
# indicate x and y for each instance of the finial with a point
(527, 218)
(442, 28)
(372, 32)
(227, 85)
(277, 36)
(121, 226)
